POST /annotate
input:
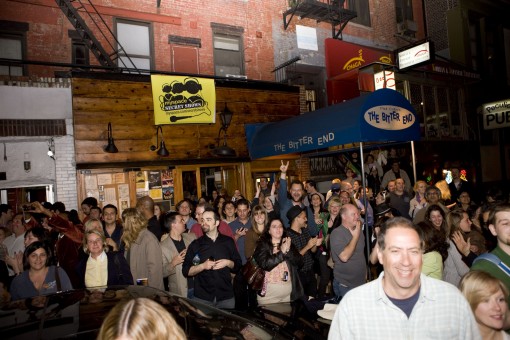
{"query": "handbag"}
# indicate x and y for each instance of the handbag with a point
(253, 274)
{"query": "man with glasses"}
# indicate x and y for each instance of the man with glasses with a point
(433, 196)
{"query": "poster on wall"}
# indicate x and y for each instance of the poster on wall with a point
(183, 100)
(123, 204)
(142, 185)
(155, 191)
(119, 177)
(123, 190)
(104, 179)
(167, 183)
(90, 182)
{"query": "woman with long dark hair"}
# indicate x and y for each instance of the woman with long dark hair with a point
(281, 260)
(435, 252)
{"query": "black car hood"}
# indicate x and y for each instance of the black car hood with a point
(79, 314)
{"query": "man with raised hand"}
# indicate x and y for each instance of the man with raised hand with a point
(297, 195)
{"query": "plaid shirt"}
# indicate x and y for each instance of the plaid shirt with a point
(300, 241)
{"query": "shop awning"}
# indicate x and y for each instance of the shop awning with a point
(381, 116)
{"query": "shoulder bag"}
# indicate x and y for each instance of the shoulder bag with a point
(253, 274)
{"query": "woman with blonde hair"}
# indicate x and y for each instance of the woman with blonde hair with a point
(419, 201)
(143, 251)
(102, 267)
(140, 319)
(487, 297)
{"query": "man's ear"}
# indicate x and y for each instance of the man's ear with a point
(492, 228)
(380, 255)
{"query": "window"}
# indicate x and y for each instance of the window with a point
(438, 109)
(80, 51)
(185, 52)
(12, 46)
(362, 9)
(311, 100)
(135, 44)
(228, 50)
(404, 9)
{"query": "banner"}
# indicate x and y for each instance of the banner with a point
(183, 100)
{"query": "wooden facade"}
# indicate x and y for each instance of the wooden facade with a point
(127, 104)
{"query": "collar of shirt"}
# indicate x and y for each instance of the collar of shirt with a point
(100, 258)
(425, 294)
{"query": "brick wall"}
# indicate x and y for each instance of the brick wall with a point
(303, 168)
(65, 169)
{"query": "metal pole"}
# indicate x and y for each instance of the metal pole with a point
(414, 160)
(365, 203)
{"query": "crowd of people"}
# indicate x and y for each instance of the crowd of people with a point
(413, 242)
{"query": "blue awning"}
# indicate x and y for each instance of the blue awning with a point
(381, 116)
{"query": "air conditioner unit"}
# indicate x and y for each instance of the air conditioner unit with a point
(236, 76)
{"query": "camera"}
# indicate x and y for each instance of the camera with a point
(27, 207)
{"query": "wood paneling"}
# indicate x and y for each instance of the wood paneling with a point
(128, 106)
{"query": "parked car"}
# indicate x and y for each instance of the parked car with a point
(78, 314)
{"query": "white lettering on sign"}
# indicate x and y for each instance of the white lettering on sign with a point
(297, 144)
(324, 139)
(496, 115)
(389, 117)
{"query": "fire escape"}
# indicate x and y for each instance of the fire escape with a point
(113, 61)
(330, 11)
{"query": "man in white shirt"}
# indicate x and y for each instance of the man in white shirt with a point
(402, 303)
(15, 243)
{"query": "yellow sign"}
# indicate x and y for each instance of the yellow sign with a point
(183, 100)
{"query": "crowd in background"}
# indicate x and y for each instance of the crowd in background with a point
(311, 245)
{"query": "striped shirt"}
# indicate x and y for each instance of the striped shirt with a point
(441, 312)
